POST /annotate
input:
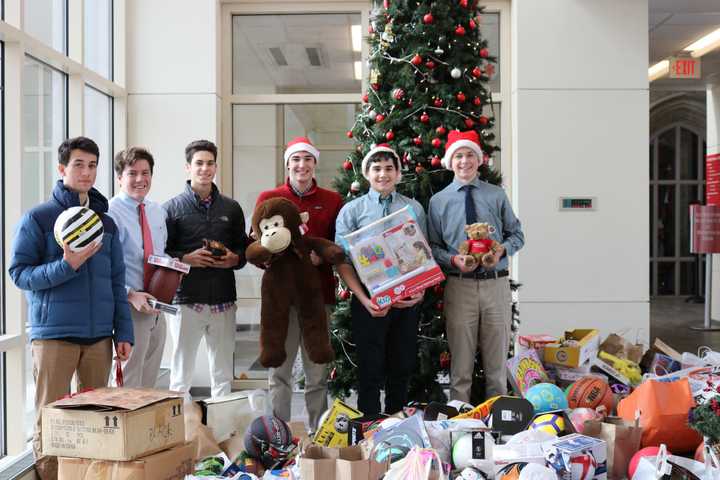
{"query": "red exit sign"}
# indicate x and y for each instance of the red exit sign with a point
(684, 67)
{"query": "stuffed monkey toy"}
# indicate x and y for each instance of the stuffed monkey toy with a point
(290, 279)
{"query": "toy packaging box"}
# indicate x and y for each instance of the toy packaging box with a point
(393, 258)
(577, 457)
(574, 349)
(525, 370)
(333, 431)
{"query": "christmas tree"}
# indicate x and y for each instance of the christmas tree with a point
(428, 69)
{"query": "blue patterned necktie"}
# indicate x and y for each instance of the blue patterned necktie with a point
(386, 205)
(470, 213)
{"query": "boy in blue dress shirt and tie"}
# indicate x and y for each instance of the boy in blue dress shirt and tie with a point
(477, 300)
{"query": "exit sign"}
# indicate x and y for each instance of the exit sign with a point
(685, 67)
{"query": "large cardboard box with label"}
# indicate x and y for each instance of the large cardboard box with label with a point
(228, 414)
(585, 346)
(172, 464)
(113, 424)
(344, 463)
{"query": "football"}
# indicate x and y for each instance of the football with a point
(163, 284)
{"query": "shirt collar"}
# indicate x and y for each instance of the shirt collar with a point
(129, 200)
(374, 195)
(458, 185)
(308, 192)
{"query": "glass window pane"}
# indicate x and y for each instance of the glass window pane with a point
(46, 20)
(98, 36)
(652, 220)
(689, 278)
(98, 126)
(490, 31)
(666, 278)
(688, 155)
(652, 162)
(666, 155)
(687, 195)
(666, 221)
(44, 106)
(295, 53)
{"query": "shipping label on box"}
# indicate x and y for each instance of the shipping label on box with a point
(577, 457)
(113, 424)
(172, 464)
(579, 346)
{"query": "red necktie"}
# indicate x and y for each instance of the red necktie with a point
(147, 246)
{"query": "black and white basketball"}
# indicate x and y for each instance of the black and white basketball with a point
(78, 227)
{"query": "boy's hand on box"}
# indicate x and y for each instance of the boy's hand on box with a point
(373, 309)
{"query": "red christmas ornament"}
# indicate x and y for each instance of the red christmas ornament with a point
(489, 69)
(435, 162)
(486, 158)
(477, 102)
(441, 130)
(483, 120)
(333, 374)
(424, 118)
(375, 86)
(463, 3)
(438, 102)
(444, 361)
(460, 31)
(472, 24)
(398, 94)
(371, 30)
(469, 122)
(440, 305)
(428, 19)
(349, 134)
(390, 135)
(436, 143)
(476, 72)
(379, 118)
(405, 159)
(430, 64)
(347, 165)
(460, 97)
(417, 141)
(365, 98)
(484, 52)
(419, 169)
(416, 60)
(344, 294)
(410, 102)
(386, 4)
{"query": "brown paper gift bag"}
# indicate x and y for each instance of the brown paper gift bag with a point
(625, 436)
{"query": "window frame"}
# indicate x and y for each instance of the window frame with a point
(17, 44)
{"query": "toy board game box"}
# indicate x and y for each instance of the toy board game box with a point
(392, 258)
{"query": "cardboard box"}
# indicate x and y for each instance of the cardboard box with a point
(172, 464)
(588, 344)
(564, 453)
(346, 463)
(229, 414)
(113, 424)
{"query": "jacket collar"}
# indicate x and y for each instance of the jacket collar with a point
(309, 192)
(67, 198)
(188, 190)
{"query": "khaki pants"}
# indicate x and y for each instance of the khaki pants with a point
(54, 363)
(478, 313)
(143, 366)
(281, 379)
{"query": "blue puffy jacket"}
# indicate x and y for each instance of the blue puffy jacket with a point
(88, 303)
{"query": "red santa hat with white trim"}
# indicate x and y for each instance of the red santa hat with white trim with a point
(380, 148)
(301, 144)
(457, 139)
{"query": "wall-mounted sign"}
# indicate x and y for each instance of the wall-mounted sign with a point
(712, 179)
(574, 204)
(685, 67)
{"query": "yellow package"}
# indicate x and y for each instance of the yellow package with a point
(334, 425)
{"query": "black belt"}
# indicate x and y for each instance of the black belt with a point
(481, 275)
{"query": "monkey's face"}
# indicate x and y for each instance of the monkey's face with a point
(274, 235)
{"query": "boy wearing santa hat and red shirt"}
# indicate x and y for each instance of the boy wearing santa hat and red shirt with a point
(322, 205)
(477, 300)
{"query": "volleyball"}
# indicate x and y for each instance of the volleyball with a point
(550, 423)
(78, 227)
(546, 397)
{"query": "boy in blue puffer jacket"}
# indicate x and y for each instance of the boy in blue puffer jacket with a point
(77, 303)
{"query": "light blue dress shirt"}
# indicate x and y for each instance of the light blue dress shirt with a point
(369, 208)
(446, 221)
(126, 213)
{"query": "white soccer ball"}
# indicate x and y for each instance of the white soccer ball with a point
(78, 227)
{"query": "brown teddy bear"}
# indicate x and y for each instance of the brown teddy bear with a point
(290, 279)
(479, 245)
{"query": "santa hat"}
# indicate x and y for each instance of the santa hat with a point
(383, 147)
(301, 144)
(457, 139)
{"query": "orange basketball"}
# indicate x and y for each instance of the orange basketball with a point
(590, 392)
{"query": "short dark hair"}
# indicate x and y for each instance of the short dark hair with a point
(78, 143)
(380, 156)
(200, 146)
(128, 157)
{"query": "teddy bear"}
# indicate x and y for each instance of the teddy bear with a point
(289, 280)
(479, 245)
